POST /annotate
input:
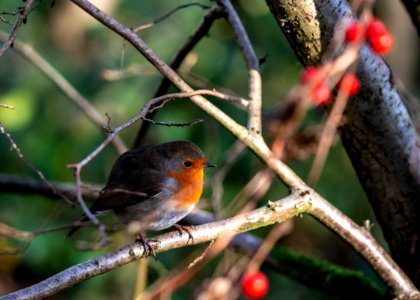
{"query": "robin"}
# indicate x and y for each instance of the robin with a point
(153, 187)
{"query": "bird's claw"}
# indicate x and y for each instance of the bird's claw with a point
(148, 249)
(181, 229)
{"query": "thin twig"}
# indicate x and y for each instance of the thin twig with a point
(327, 136)
(6, 106)
(12, 36)
(232, 155)
(58, 79)
(278, 231)
(174, 124)
(31, 166)
(167, 15)
(202, 30)
(150, 106)
(101, 227)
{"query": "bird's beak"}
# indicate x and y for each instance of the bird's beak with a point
(209, 165)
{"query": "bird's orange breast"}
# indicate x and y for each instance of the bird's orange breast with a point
(190, 187)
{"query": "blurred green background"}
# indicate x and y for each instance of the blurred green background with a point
(51, 132)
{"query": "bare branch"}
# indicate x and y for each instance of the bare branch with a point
(31, 166)
(12, 36)
(150, 106)
(170, 124)
(275, 212)
(6, 106)
(102, 230)
(252, 62)
(327, 137)
(167, 15)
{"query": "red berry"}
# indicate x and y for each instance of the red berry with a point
(378, 37)
(375, 28)
(382, 43)
(320, 93)
(349, 84)
(354, 33)
(255, 285)
(308, 74)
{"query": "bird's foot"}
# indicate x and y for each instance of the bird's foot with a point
(182, 228)
(148, 249)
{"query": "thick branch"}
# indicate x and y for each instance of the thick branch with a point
(275, 212)
(378, 135)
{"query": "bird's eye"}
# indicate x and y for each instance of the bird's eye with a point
(188, 164)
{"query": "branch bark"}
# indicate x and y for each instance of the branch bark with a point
(275, 212)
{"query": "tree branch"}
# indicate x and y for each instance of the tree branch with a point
(12, 36)
(274, 212)
(41, 175)
(253, 66)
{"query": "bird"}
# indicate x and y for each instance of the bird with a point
(153, 187)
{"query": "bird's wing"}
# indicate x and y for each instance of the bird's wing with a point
(137, 187)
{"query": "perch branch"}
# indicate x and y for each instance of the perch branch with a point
(274, 212)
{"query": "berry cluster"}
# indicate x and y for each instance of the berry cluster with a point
(380, 41)
(320, 92)
(375, 33)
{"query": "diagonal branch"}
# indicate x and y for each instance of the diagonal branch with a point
(38, 172)
(21, 19)
(274, 212)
